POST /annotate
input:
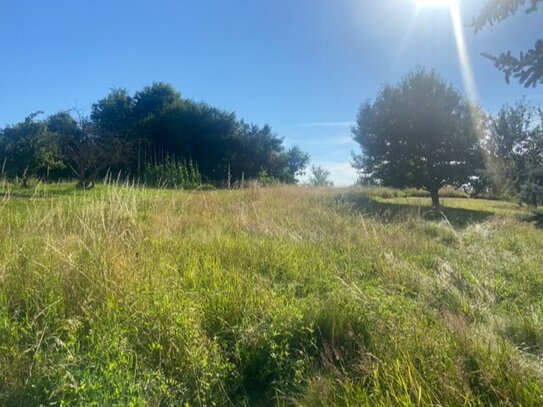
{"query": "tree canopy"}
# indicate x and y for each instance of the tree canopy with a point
(515, 147)
(528, 66)
(419, 133)
(26, 148)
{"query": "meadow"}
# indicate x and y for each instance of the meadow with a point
(287, 296)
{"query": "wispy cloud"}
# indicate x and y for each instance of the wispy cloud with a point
(324, 141)
(327, 124)
(343, 140)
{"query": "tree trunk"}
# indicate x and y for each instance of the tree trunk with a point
(24, 178)
(81, 182)
(435, 198)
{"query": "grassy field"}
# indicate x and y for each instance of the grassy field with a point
(281, 296)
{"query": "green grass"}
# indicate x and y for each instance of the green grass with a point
(280, 296)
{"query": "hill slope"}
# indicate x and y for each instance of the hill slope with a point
(283, 296)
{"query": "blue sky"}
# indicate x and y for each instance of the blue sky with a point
(302, 66)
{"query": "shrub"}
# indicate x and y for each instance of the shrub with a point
(172, 173)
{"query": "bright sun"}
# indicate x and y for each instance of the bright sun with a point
(436, 3)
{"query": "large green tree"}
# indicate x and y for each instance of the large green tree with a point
(526, 67)
(419, 133)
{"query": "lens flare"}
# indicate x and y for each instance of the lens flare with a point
(463, 55)
(453, 7)
(436, 3)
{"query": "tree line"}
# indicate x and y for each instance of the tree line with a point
(133, 134)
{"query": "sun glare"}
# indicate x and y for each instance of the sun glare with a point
(454, 8)
(436, 3)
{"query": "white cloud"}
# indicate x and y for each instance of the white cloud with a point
(342, 173)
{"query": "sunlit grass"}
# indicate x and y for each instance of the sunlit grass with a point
(492, 206)
(280, 296)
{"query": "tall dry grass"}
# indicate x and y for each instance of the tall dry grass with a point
(275, 296)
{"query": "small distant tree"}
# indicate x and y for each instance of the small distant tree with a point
(319, 177)
(297, 161)
(419, 133)
(528, 66)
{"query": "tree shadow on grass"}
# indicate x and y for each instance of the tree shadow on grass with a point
(49, 191)
(536, 218)
(394, 212)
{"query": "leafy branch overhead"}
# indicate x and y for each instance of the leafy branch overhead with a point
(528, 66)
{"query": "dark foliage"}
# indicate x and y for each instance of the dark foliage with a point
(515, 148)
(167, 125)
(172, 174)
(130, 134)
(26, 148)
(85, 151)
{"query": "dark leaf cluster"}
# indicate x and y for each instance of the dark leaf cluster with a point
(527, 68)
(495, 11)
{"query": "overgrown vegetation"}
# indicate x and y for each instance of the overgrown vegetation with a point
(171, 173)
(125, 133)
(515, 154)
(276, 296)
